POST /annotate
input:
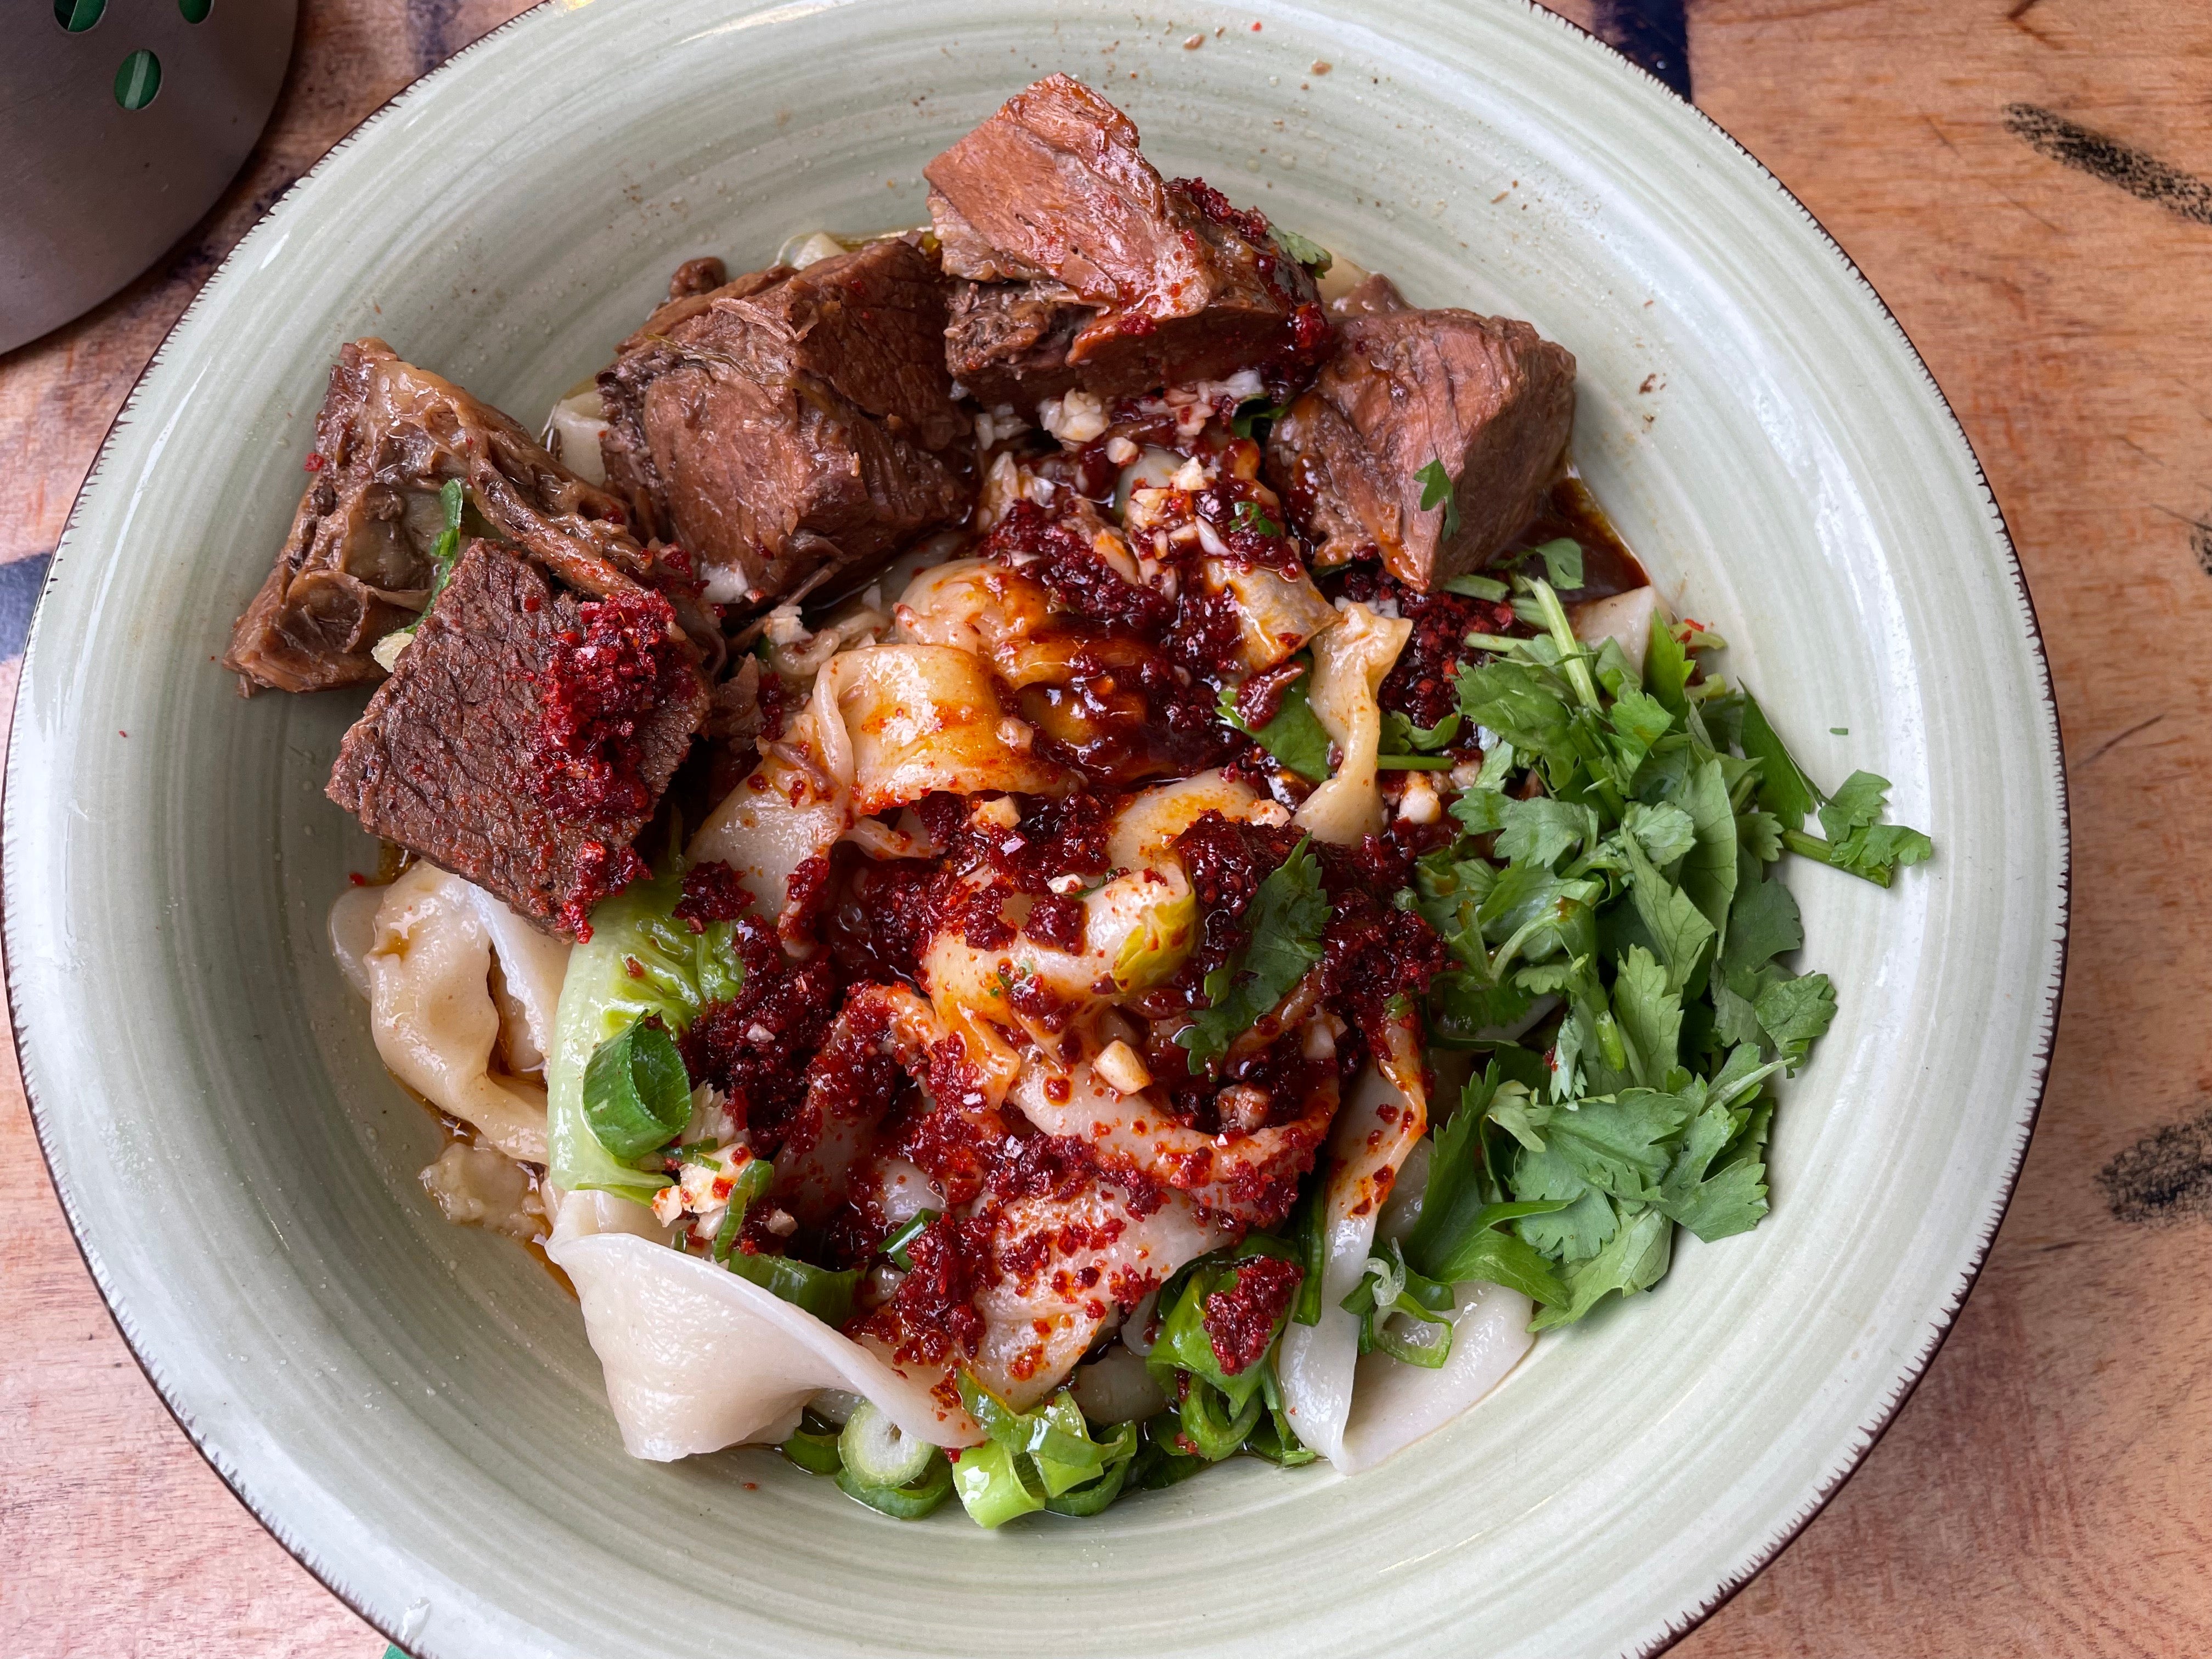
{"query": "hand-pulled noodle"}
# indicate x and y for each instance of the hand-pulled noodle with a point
(1351, 662)
(698, 1358)
(1380, 1125)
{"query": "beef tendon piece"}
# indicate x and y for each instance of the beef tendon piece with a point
(1079, 266)
(1488, 400)
(792, 421)
(525, 736)
(357, 562)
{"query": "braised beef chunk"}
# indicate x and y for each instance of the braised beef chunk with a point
(357, 562)
(791, 420)
(1082, 266)
(696, 277)
(1487, 399)
(526, 736)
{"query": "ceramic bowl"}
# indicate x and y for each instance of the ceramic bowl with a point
(412, 1408)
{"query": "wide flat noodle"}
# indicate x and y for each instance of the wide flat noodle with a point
(431, 1009)
(696, 1358)
(1351, 662)
(1379, 1126)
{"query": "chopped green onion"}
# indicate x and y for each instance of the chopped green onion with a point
(752, 1181)
(827, 1295)
(814, 1450)
(895, 1247)
(879, 1452)
(997, 1486)
(446, 551)
(1472, 586)
(637, 1095)
(909, 1500)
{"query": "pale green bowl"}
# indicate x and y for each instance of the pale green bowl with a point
(412, 1408)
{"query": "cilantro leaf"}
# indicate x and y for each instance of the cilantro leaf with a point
(1763, 925)
(1436, 490)
(1296, 737)
(1795, 1012)
(1635, 1260)
(1536, 831)
(1678, 929)
(1666, 666)
(1649, 1015)
(1782, 789)
(1563, 560)
(1284, 924)
(1523, 704)
(1666, 831)
(1862, 800)
(1255, 412)
(1250, 516)
(1709, 871)
(1310, 254)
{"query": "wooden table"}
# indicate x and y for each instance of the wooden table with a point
(2023, 181)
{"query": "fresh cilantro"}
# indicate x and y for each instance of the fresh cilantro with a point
(1563, 560)
(1253, 414)
(1635, 1258)
(1782, 789)
(1310, 254)
(1295, 736)
(1795, 1011)
(1437, 488)
(1283, 924)
(1250, 516)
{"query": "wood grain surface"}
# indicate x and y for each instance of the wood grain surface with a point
(2024, 180)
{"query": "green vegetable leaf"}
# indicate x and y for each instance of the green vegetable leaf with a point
(1253, 413)
(639, 961)
(1284, 923)
(1436, 490)
(1730, 1200)
(1763, 925)
(1296, 737)
(1709, 871)
(1860, 841)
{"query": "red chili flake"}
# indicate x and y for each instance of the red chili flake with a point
(1249, 222)
(583, 760)
(712, 892)
(356, 879)
(1240, 1321)
(314, 462)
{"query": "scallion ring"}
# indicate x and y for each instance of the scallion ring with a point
(879, 1452)
(908, 1502)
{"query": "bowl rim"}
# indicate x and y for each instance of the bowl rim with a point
(1944, 1320)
